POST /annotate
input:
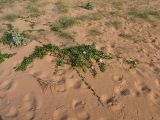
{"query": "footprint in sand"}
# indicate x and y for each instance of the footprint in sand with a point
(117, 78)
(78, 105)
(60, 114)
(29, 115)
(157, 82)
(122, 90)
(60, 85)
(83, 115)
(29, 105)
(102, 118)
(73, 83)
(2, 94)
(5, 85)
(142, 88)
(72, 80)
(155, 98)
(29, 102)
(12, 112)
(72, 118)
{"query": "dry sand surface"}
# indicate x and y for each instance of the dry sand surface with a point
(126, 29)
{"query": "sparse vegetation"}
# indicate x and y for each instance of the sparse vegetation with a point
(7, 1)
(125, 35)
(33, 9)
(9, 17)
(117, 4)
(116, 24)
(14, 38)
(94, 32)
(62, 24)
(92, 16)
(66, 35)
(144, 14)
(5, 56)
(61, 7)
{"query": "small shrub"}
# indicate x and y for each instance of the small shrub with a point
(14, 38)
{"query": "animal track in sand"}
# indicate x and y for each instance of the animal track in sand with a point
(60, 114)
(142, 88)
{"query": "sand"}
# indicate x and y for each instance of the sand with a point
(126, 94)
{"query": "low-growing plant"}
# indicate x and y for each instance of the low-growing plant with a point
(88, 6)
(61, 7)
(14, 38)
(80, 58)
(5, 56)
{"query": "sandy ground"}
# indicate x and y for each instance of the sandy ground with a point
(127, 94)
